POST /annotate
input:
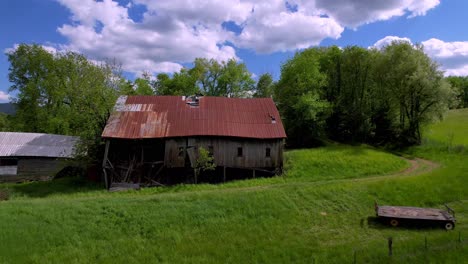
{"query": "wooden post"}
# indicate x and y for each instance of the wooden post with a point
(104, 164)
(224, 173)
(253, 173)
(390, 245)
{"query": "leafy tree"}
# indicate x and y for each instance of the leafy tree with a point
(300, 98)
(353, 98)
(126, 87)
(415, 89)
(181, 83)
(62, 93)
(459, 98)
(4, 122)
(229, 78)
(143, 85)
(265, 86)
(204, 162)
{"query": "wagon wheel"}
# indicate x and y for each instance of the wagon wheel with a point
(449, 226)
(394, 222)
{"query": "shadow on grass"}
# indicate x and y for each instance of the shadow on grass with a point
(66, 185)
(380, 224)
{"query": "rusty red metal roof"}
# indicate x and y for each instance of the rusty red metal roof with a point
(138, 117)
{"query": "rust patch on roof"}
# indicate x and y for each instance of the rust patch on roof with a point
(138, 117)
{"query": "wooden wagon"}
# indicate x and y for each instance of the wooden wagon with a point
(395, 215)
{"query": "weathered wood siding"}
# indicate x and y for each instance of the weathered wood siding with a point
(225, 151)
(35, 169)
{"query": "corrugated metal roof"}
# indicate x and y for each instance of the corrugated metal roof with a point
(137, 117)
(36, 145)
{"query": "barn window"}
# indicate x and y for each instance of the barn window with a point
(181, 151)
(268, 152)
(239, 152)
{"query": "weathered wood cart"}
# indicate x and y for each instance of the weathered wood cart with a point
(395, 215)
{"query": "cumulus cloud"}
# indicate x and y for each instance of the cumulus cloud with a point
(170, 33)
(452, 56)
(353, 13)
(273, 27)
(3, 97)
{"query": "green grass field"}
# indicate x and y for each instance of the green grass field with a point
(320, 211)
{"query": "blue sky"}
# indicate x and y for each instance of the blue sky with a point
(163, 36)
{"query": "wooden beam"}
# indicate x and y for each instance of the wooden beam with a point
(224, 173)
(104, 164)
(106, 152)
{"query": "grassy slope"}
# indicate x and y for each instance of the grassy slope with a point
(296, 218)
(452, 130)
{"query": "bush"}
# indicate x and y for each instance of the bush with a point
(4, 194)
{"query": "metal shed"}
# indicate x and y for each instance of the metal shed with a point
(33, 156)
(148, 134)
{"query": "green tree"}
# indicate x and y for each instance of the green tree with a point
(205, 162)
(143, 85)
(265, 86)
(300, 98)
(181, 83)
(62, 93)
(229, 78)
(4, 122)
(353, 100)
(459, 98)
(415, 88)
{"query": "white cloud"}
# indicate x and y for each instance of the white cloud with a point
(452, 56)
(353, 13)
(273, 28)
(4, 97)
(160, 43)
(171, 33)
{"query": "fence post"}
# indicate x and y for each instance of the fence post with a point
(390, 245)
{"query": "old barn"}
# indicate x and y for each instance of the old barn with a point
(33, 156)
(154, 138)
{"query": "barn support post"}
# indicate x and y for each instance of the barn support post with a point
(253, 173)
(224, 173)
(104, 164)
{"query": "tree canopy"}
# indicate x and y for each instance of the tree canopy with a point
(61, 93)
(360, 95)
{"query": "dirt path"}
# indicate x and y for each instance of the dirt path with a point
(417, 167)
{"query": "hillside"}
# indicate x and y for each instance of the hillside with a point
(320, 211)
(7, 108)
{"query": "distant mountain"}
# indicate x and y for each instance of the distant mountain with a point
(7, 108)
